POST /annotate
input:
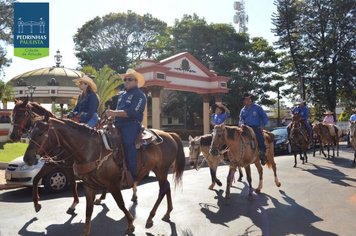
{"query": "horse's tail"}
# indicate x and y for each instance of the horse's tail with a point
(179, 164)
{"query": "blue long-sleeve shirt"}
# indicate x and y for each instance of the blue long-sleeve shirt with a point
(133, 102)
(86, 106)
(303, 112)
(253, 116)
(218, 119)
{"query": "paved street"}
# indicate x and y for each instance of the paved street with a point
(318, 198)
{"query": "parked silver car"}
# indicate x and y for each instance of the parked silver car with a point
(19, 173)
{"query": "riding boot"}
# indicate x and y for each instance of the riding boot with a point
(263, 158)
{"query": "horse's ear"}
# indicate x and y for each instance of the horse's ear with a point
(190, 138)
(25, 101)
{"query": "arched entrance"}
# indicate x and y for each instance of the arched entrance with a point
(181, 72)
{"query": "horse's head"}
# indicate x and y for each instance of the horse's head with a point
(38, 143)
(218, 140)
(296, 117)
(194, 150)
(21, 119)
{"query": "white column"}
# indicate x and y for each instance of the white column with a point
(206, 115)
(156, 107)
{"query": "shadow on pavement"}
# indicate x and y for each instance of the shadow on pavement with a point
(266, 213)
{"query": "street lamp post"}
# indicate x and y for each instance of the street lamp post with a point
(31, 90)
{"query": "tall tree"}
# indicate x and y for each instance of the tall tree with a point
(117, 40)
(319, 36)
(6, 27)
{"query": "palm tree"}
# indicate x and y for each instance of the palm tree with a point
(107, 81)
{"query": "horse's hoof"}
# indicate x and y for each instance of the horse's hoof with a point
(218, 182)
(38, 207)
(134, 199)
(278, 185)
(70, 211)
(166, 218)
(211, 187)
(257, 191)
(295, 166)
(130, 231)
(149, 224)
(97, 202)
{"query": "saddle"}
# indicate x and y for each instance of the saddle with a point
(147, 137)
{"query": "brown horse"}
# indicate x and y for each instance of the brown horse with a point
(243, 150)
(201, 144)
(353, 138)
(24, 115)
(298, 138)
(98, 169)
(328, 135)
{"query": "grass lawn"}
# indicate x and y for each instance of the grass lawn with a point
(9, 151)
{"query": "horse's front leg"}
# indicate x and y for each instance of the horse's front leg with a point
(134, 192)
(90, 196)
(295, 159)
(240, 174)
(102, 197)
(73, 187)
(117, 195)
(164, 188)
(229, 179)
(249, 179)
(46, 168)
(213, 166)
(260, 175)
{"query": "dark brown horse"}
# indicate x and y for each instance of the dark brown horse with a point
(24, 115)
(242, 144)
(298, 139)
(353, 138)
(95, 165)
(201, 144)
(328, 136)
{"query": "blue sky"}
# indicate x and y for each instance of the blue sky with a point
(66, 16)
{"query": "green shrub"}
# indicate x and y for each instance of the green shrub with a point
(9, 151)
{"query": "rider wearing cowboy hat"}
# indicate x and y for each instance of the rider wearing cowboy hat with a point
(129, 115)
(88, 102)
(329, 118)
(302, 109)
(254, 116)
(220, 115)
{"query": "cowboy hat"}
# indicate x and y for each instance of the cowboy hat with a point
(220, 106)
(328, 112)
(88, 81)
(354, 109)
(300, 101)
(138, 76)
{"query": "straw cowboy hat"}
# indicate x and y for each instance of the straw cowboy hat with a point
(328, 112)
(354, 109)
(138, 76)
(300, 101)
(86, 80)
(220, 106)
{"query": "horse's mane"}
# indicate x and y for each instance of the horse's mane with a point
(37, 107)
(205, 140)
(231, 130)
(78, 126)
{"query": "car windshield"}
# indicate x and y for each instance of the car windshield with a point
(280, 132)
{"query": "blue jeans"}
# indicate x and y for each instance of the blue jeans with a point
(93, 120)
(129, 132)
(260, 138)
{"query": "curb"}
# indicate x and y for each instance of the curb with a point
(3, 165)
